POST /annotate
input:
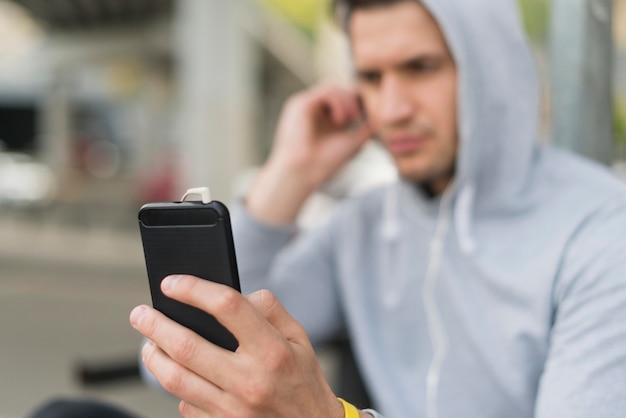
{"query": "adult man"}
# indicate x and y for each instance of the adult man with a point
(490, 281)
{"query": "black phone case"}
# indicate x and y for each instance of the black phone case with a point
(189, 238)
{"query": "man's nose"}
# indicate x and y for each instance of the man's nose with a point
(395, 104)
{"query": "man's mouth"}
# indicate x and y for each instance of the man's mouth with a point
(405, 144)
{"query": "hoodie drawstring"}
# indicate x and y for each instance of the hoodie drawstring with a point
(390, 230)
(463, 217)
(390, 233)
(461, 211)
(436, 327)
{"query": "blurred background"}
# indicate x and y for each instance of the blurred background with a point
(107, 104)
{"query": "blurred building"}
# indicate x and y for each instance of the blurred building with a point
(174, 93)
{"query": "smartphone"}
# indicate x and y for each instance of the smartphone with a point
(189, 238)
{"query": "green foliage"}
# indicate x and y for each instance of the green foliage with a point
(619, 112)
(536, 16)
(305, 14)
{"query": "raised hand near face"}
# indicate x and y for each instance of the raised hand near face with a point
(320, 130)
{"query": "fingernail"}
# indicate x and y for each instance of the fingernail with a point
(136, 316)
(169, 283)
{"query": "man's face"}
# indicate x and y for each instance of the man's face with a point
(407, 79)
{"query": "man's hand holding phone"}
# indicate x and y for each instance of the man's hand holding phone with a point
(320, 130)
(274, 372)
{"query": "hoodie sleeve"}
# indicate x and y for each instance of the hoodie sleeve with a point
(585, 373)
(297, 268)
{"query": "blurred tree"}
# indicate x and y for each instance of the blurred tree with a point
(620, 121)
(305, 14)
(536, 16)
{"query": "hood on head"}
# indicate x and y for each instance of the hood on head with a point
(498, 96)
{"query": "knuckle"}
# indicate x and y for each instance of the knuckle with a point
(187, 285)
(184, 349)
(268, 297)
(147, 355)
(299, 331)
(256, 393)
(173, 381)
(278, 358)
(184, 409)
(228, 301)
(265, 300)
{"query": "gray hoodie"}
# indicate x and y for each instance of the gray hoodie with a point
(506, 297)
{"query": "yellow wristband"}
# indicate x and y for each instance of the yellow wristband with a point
(349, 410)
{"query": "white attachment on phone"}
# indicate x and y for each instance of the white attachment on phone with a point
(203, 192)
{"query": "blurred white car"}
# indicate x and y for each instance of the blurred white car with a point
(24, 181)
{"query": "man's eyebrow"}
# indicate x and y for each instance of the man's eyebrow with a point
(425, 58)
(422, 58)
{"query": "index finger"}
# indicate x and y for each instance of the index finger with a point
(343, 104)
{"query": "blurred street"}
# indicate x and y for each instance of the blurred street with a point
(69, 276)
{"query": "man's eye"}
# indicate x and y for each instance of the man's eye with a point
(422, 66)
(369, 77)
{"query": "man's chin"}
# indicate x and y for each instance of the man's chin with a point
(431, 184)
(411, 173)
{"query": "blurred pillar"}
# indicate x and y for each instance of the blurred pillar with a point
(216, 76)
(56, 149)
(151, 117)
(581, 79)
